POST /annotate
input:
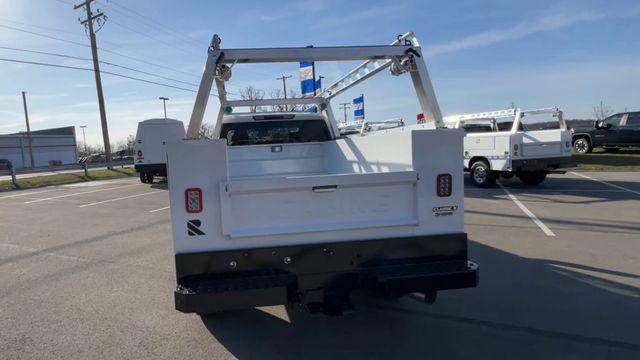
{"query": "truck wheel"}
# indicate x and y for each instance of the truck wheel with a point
(582, 145)
(532, 177)
(143, 178)
(481, 174)
(149, 178)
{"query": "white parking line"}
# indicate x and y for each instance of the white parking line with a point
(44, 252)
(27, 193)
(607, 183)
(523, 190)
(164, 208)
(122, 198)
(525, 210)
(80, 193)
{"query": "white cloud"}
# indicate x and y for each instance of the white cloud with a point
(489, 37)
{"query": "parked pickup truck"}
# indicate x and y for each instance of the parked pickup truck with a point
(279, 208)
(524, 143)
(615, 132)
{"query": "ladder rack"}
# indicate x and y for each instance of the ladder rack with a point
(402, 56)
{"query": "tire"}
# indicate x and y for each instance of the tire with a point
(149, 178)
(143, 178)
(481, 174)
(532, 177)
(582, 145)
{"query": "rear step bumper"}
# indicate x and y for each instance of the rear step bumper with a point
(542, 163)
(321, 273)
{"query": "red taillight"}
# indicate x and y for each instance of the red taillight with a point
(443, 185)
(193, 200)
(139, 153)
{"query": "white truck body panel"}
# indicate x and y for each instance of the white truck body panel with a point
(152, 137)
(379, 191)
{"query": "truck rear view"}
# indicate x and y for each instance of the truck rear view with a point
(281, 209)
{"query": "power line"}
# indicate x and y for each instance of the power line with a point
(44, 35)
(157, 25)
(148, 36)
(101, 71)
(101, 61)
(103, 49)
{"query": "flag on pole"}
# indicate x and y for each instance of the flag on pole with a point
(358, 106)
(306, 79)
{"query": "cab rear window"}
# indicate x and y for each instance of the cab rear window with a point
(275, 132)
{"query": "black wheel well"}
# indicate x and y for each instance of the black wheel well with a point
(578, 136)
(475, 159)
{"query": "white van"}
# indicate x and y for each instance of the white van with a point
(150, 147)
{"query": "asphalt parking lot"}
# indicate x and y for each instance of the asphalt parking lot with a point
(86, 271)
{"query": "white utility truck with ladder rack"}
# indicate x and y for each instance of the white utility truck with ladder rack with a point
(528, 144)
(280, 208)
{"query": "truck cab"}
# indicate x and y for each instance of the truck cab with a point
(616, 131)
(280, 208)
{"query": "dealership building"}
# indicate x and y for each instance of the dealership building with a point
(50, 147)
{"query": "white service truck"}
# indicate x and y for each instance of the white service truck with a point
(528, 144)
(150, 147)
(280, 208)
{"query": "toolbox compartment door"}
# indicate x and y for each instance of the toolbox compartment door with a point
(542, 143)
(318, 203)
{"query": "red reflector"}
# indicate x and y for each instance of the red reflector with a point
(193, 200)
(443, 185)
(139, 153)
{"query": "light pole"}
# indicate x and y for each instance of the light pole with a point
(345, 107)
(84, 139)
(164, 104)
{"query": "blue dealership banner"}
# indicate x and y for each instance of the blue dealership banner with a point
(358, 106)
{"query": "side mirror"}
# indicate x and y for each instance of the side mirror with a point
(598, 124)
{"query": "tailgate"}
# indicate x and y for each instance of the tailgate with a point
(318, 203)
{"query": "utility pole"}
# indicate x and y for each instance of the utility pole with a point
(26, 118)
(320, 77)
(345, 107)
(284, 85)
(88, 22)
(164, 104)
(84, 139)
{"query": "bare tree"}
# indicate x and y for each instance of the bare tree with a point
(251, 93)
(206, 131)
(277, 94)
(601, 111)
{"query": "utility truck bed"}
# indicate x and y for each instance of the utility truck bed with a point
(281, 209)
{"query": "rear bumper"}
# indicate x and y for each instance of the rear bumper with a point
(155, 169)
(542, 163)
(321, 273)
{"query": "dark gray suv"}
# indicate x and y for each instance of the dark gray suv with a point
(612, 133)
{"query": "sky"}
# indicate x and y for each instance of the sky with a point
(481, 56)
